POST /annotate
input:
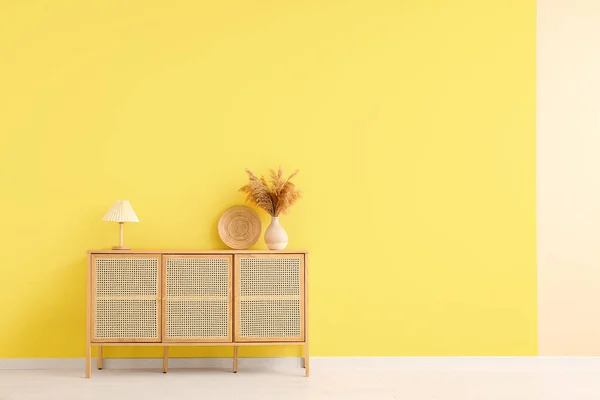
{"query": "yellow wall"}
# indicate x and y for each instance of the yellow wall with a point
(412, 122)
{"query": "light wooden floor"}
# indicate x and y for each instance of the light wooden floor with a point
(445, 381)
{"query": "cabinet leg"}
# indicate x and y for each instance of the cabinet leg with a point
(306, 360)
(88, 361)
(100, 357)
(165, 359)
(235, 359)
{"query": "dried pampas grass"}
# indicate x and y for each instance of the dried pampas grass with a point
(275, 197)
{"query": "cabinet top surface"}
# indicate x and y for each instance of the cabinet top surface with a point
(231, 251)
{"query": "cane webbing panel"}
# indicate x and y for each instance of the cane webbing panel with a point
(126, 298)
(269, 298)
(197, 298)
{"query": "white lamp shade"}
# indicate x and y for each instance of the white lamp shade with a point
(121, 211)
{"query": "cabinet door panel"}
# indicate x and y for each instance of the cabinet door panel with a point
(269, 298)
(125, 298)
(198, 297)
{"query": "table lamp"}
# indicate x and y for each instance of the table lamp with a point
(121, 212)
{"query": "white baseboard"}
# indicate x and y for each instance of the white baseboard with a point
(361, 363)
(150, 363)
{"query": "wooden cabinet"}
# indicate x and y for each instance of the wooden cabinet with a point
(196, 298)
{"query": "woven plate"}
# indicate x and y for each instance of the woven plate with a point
(239, 227)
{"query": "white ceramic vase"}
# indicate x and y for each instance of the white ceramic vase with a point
(275, 236)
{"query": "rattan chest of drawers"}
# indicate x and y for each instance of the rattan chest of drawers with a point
(196, 298)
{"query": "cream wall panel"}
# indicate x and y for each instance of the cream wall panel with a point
(568, 144)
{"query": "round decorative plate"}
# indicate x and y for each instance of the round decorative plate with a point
(239, 227)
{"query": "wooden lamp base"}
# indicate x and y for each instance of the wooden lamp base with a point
(120, 246)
